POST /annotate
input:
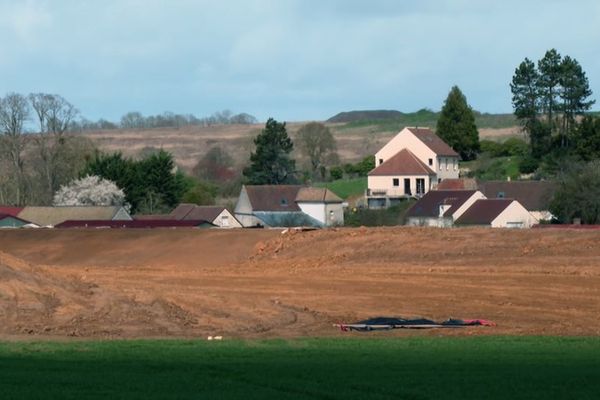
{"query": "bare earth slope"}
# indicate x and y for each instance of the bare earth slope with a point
(261, 283)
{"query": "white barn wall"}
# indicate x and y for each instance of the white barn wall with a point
(515, 212)
(233, 222)
(315, 210)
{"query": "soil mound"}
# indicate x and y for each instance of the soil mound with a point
(33, 301)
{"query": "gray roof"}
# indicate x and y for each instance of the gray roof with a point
(533, 195)
(273, 197)
(51, 216)
(483, 212)
(428, 206)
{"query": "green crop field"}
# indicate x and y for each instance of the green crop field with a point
(348, 368)
(346, 187)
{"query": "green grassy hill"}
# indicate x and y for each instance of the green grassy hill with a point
(394, 121)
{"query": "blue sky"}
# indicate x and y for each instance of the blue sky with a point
(289, 59)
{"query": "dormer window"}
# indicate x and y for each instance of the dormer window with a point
(501, 195)
(283, 202)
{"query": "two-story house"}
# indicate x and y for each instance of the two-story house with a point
(409, 165)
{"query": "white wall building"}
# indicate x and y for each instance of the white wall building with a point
(409, 165)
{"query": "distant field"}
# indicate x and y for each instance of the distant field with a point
(355, 140)
(347, 368)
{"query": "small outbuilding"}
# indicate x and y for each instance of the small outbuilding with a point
(496, 213)
(440, 208)
(288, 206)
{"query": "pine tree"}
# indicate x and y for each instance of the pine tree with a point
(525, 93)
(548, 99)
(456, 125)
(575, 89)
(548, 83)
(270, 163)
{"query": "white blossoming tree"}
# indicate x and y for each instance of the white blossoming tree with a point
(90, 191)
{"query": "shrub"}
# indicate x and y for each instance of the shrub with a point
(336, 173)
(528, 164)
(515, 147)
(494, 149)
(89, 191)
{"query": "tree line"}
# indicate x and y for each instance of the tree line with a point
(551, 99)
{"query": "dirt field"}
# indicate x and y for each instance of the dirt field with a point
(262, 283)
(189, 144)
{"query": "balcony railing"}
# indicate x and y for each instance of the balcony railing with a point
(391, 193)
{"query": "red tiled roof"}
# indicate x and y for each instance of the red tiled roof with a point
(403, 163)
(429, 205)
(273, 197)
(457, 184)
(483, 212)
(433, 141)
(317, 195)
(139, 224)
(8, 210)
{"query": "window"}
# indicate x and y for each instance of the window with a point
(440, 163)
(420, 186)
(447, 164)
(455, 164)
(283, 202)
(380, 161)
(396, 182)
(224, 220)
(501, 195)
(430, 162)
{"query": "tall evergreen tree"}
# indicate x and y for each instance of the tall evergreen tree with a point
(524, 88)
(456, 125)
(270, 163)
(574, 93)
(548, 83)
(548, 99)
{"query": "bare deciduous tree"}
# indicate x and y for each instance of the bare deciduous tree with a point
(14, 112)
(318, 144)
(55, 115)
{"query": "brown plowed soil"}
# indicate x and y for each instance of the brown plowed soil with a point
(262, 283)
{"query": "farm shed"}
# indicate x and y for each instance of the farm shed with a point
(272, 206)
(321, 204)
